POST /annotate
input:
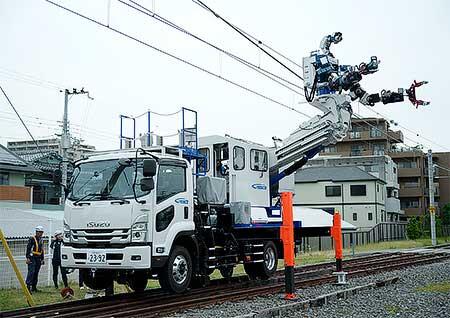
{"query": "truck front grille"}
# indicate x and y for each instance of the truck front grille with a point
(106, 236)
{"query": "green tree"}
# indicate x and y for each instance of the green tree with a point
(413, 229)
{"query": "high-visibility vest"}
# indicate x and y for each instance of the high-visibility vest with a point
(36, 251)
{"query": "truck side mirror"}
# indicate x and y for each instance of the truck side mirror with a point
(57, 177)
(149, 167)
(147, 184)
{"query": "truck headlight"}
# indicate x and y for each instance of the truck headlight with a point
(138, 232)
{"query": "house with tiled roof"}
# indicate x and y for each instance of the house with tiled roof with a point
(13, 171)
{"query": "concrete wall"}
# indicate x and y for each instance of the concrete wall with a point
(313, 195)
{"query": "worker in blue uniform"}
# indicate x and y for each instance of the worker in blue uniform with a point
(56, 260)
(35, 258)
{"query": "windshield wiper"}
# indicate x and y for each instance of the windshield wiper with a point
(121, 200)
(92, 194)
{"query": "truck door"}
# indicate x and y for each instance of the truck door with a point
(249, 175)
(173, 209)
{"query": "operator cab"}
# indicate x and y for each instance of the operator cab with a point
(243, 164)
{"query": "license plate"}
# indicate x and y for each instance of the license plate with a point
(94, 257)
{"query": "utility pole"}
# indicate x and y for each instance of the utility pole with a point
(65, 137)
(432, 208)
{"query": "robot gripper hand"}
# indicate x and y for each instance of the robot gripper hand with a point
(411, 92)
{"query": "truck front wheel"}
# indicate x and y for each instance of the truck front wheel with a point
(100, 279)
(176, 276)
(138, 280)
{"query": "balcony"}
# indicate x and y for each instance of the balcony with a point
(436, 190)
(409, 172)
(392, 205)
(413, 211)
(356, 153)
(396, 136)
(410, 192)
(406, 153)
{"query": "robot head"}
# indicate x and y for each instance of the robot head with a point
(326, 42)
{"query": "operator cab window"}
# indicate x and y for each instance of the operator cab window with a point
(258, 160)
(238, 158)
(221, 158)
(203, 164)
(171, 181)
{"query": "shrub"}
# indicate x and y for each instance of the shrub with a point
(413, 229)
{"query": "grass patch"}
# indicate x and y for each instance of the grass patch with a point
(14, 298)
(441, 287)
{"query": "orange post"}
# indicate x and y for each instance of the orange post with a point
(287, 236)
(336, 234)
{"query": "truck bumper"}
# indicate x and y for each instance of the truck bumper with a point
(130, 257)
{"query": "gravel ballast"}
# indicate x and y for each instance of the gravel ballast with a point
(403, 299)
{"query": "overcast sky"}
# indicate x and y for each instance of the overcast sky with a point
(44, 47)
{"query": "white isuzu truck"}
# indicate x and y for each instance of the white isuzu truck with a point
(136, 214)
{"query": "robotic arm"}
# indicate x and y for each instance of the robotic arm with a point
(324, 81)
(349, 81)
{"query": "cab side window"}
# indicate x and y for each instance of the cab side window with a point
(238, 158)
(171, 181)
(258, 160)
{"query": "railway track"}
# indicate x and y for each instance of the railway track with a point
(153, 303)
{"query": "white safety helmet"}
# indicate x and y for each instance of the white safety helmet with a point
(58, 232)
(39, 228)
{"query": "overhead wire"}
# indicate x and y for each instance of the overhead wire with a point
(405, 128)
(173, 56)
(252, 66)
(246, 36)
(23, 123)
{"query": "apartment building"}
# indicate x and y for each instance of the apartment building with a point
(27, 147)
(358, 195)
(373, 136)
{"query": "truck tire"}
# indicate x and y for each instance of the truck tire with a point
(227, 271)
(176, 276)
(102, 279)
(138, 281)
(250, 270)
(268, 267)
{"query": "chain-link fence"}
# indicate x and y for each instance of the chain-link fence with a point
(17, 232)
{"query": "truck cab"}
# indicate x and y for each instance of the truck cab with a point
(124, 212)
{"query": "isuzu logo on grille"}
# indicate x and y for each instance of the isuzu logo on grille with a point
(99, 224)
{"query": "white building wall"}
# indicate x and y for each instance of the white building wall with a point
(313, 195)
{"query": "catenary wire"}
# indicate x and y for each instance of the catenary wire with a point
(23, 123)
(122, 33)
(407, 129)
(255, 43)
(250, 65)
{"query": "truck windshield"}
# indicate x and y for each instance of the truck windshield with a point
(106, 179)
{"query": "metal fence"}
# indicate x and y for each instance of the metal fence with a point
(386, 231)
(17, 232)
(18, 248)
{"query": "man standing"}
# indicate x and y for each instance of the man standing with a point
(35, 258)
(56, 260)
